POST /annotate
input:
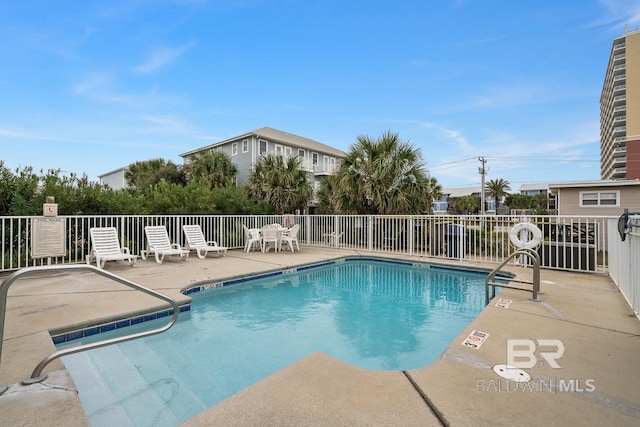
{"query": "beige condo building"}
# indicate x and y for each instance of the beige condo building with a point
(620, 110)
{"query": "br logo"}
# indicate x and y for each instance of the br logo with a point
(521, 353)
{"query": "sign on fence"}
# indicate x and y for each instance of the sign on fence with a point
(48, 237)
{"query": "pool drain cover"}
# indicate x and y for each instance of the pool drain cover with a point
(512, 373)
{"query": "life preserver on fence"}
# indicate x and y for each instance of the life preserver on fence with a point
(525, 235)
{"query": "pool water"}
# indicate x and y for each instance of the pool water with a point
(376, 315)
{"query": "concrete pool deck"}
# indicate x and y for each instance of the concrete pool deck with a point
(598, 382)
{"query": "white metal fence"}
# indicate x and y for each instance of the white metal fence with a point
(624, 256)
(569, 243)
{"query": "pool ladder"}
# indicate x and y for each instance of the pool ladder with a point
(490, 281)
(37, 375)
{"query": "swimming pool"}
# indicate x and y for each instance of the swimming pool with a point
(370, 313)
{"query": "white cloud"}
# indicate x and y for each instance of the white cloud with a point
(167, 123)
(510, 95)
(618, 14)
(161, 57)
(94, 82)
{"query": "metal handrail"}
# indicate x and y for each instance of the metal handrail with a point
(37, 375)
(535, 257)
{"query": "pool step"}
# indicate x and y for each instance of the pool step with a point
(138, 392)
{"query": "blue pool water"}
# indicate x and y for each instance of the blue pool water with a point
(376, 315)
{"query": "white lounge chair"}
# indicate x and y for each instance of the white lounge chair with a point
(252, 235)
(290, 237)
(105, 246)
(158, 243)
(197, 242)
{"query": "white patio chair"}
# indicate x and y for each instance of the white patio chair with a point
(158, 243)
(197, 242)
(252, 236)
(270, 234)
(105, 246)
(290, 237)
(333, 238)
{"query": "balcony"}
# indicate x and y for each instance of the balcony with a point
(324, 169)
(619, 100)
(619, 88)
(619, 46)
(620, 162)
(619, 173)
(620, 119)
(619, 77)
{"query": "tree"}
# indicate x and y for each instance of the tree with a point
(324, 194)
(497, 188)
(538, 203)
(212, 167)
(143, 174)
(434, 192)
(467, 204)
(281, 183)
(383, 176)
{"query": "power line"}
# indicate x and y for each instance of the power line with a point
(562, 159)
(455, 162)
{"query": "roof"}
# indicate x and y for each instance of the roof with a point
(600, 183)
(277, 136)
(538, 186)
(464, 191)
(114, 171)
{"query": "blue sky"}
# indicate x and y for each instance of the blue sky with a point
(91, 86)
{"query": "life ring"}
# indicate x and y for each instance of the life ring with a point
(525, 235)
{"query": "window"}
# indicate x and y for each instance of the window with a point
(279, 149)
(314, 158)
(288, 151)
(599, 198)
(329, 164)
(263, 146)
(301, 153)
(245, 145)
(234, 149)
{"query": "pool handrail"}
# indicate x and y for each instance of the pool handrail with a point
(490, 279)
(37, 375)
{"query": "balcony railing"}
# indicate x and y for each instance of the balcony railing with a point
(620, 151)
(570, 243)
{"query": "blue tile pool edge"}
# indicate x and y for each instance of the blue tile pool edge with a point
(112, 325)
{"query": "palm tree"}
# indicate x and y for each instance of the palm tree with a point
(434, 192)
(467, 204)
(212, 167)
(497, 188)
(281, 183)
(382, 176)
(143, 174)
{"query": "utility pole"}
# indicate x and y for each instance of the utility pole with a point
(482, 172)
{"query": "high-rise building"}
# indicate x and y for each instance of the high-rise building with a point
(620, 110)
